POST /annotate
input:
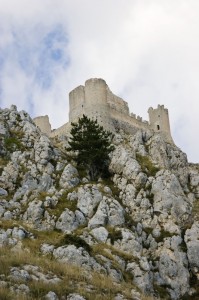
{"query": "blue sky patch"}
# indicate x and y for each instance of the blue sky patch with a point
(52, 54)
(39, 56)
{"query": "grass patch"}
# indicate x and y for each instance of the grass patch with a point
(115, 190)
(10, 224)
(63, 203)
(6, 294)
(102, 286)
(3, 162)
(55, 238)
(109, 251)
(49, 237)
(195, 210)
(13, 142)
(146, 165)
(42, 196)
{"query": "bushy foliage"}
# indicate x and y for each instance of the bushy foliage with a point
(92, 145)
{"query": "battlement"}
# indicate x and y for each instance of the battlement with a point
(96, 100)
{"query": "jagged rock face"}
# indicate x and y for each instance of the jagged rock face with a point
(142, 222)
(192, 242)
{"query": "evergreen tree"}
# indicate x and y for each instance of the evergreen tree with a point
(92, 145)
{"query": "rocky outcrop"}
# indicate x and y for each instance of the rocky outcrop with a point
(141, 224)
(192, 243)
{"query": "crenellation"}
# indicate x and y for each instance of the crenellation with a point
(139, 118)
(96, 100)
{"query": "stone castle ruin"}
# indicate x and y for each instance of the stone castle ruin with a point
(96, 101)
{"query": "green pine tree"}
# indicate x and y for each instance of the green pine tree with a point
(92, 145)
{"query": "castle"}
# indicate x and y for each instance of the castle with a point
(96, 101)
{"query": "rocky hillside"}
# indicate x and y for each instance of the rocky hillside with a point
(133, 236)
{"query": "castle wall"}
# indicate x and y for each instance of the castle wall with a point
(43, 123)
(117, 103)
(63, 130)
(126, 122)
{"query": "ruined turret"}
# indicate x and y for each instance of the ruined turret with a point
(91, 100)
(159, 121)
(43, 123)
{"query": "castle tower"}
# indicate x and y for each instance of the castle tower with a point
(43, 123)
(76, 103)
(91, 100)
(159, 121)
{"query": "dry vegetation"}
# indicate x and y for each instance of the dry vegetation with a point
(74, 279)
(95, 287)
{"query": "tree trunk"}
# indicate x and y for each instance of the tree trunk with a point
(93, 172)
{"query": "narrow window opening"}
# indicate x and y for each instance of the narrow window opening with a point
(158, 127)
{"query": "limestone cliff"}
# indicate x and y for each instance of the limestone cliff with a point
(134, 236)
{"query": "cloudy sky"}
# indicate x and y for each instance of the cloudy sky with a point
(146, 50)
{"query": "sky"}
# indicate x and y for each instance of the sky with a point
(146, 50)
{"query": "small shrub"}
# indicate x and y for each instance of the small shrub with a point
(163, 235)
(193, 284)
(70, 239)
(114, 234)
(150, 197)
(53, 162)
(161, 291)
(129, 221)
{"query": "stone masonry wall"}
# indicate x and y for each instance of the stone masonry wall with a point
(64, 129)
(116, 103)
(127, 123)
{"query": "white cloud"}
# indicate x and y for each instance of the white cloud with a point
(146, 50)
